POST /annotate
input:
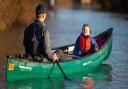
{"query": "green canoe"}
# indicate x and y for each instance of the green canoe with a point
(21, 69)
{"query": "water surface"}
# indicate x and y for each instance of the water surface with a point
(64, 27)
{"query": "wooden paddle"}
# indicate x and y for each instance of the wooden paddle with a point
(62, 70)
(73, 56)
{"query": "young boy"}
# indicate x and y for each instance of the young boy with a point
(85, 44)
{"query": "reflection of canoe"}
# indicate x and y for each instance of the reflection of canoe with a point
(103, 72)
(23, 69)
(36, 84)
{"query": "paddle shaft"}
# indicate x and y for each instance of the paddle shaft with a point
(51, 70)
(62, 71)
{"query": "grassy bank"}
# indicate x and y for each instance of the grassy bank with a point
(21, 11)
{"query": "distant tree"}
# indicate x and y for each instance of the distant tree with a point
(114, 5)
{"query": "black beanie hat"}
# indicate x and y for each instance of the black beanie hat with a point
(40, 9)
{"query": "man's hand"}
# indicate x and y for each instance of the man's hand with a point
(55, 57)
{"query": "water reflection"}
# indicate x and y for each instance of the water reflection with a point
(37, 84)
(77, 81)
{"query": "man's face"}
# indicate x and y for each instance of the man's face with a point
(86, 31)
(44, 15)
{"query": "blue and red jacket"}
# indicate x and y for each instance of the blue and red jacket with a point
(84, 44)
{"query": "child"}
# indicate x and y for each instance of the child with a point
(85, 44)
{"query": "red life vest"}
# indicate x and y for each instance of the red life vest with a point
(85, 43)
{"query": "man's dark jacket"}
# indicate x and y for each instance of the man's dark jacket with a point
(37, 40)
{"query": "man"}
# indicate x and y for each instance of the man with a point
(85, 44)
(36, 36)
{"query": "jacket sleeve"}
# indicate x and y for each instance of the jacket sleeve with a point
(94, 43)
(76, 49)
(47, 45)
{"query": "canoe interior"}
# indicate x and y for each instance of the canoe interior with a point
(101, 39)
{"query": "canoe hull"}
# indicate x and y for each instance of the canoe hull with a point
(21, 70)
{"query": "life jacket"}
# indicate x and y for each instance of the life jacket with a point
(84, 43)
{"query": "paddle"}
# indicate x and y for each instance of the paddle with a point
(62, 70)
(73, 56)
(51, 70)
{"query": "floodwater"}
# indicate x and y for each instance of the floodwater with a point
(64, 27)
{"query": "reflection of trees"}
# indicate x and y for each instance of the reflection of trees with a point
(114, 5)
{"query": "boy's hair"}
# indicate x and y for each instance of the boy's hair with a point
(85, 25)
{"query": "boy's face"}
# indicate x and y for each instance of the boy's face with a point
(86, 30)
